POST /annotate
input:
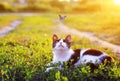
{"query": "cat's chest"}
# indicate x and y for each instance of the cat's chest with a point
(57, 59)
(62, 57)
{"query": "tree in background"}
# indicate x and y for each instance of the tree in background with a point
(53, 5)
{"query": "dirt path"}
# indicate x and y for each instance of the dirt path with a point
(5, 30)
(65, 29)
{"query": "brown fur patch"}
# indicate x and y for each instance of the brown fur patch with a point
(54, 42)
(106, 60)
(92, 66)
(67, 42)
(92, 52)
(74, 58)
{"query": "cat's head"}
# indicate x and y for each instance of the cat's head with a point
(61, 44)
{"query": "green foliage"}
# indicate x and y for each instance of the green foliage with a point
(83, 73)
(6, 20)
(25, 52)
(50, 6)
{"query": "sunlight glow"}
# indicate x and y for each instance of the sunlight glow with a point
(117, 2)
(61, 0)
(68, 0)
(64, 0)
(75, 0)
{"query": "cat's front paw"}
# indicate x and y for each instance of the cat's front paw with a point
(48, 69)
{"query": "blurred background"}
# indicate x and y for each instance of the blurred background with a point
(100, 17)
(59, 6)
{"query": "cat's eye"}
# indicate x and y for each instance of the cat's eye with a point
(64, 40)
(57, 40)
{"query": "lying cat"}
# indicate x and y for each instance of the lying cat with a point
(63, 53)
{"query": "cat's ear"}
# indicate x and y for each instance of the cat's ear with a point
(68, 38)
(55, 37)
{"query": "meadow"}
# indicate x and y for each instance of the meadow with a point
(103, 24)
(5, 20)
(25, 52)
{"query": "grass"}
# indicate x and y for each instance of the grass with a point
(105, 25)
(25, 52)
(6, 20)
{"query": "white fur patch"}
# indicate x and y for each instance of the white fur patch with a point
(81, 54)
(60, 46)
(89, 58)
(61, 56)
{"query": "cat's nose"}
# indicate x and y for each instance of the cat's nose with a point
(60, 43)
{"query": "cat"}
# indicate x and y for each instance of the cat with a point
(63, 53)
(61, 18)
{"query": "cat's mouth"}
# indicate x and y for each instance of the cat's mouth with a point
(61, 46)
